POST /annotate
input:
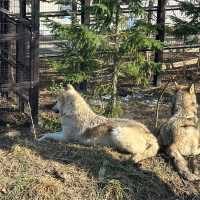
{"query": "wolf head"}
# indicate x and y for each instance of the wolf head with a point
(185, 100)
(69, 101)
(64, 99)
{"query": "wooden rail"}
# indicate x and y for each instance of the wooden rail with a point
(180, 64)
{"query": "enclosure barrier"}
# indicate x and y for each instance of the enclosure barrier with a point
(19, 55)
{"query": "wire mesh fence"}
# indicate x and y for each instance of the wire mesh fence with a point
(18, 36)
(61, 14)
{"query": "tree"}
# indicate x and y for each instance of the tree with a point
(160, 35)
(121, 44)
(189, 25)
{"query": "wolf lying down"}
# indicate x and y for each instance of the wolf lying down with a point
(81, 125)
(180, 135)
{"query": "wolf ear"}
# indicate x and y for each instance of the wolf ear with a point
(192, 89)
(69, 87)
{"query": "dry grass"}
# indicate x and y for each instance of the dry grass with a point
(48, 170)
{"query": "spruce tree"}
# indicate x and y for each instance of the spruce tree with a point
(110, 41)
(188, 28)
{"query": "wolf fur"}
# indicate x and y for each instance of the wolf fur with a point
(80, 124)
(180, 135)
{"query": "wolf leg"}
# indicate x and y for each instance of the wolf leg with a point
(194, 165)
(181, 164)
(58, 136)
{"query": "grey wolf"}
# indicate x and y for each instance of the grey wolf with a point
(81, 125)
(180, 135)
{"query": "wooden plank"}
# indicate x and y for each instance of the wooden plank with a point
(54, 13)
(184, 46)
(78, 12)
(180, 64)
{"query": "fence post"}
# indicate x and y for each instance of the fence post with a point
(21, 52)
(34, 60)
(4, 28)
(160, 36)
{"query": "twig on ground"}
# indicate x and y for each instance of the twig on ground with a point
(32, 122)
(157, 105)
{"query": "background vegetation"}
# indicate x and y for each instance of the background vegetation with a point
(113, 41)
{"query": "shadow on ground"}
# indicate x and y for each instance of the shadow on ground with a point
(81, 172)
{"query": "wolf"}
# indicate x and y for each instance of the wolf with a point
(81, 125)
(180, 135)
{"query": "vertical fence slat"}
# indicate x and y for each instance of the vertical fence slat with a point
(34, 60)
(21, 52)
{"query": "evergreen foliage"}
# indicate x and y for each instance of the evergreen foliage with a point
(79, 49)
(190, 25)
(108, 42)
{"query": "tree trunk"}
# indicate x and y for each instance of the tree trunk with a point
(85, 15)
(149, 20)
(160, 36)
(115, 61)
(74, 12)
(114, 82)
(85, 19)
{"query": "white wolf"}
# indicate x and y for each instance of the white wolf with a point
(80, 124)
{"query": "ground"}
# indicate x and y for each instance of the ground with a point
(50, 170)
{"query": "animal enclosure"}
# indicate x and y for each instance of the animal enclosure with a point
(19, 67)
(22, 42)
(36, 65)
(176, 50)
